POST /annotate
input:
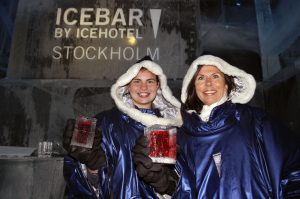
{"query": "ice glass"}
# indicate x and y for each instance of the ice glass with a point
(45, 149)
(162, 143)
(84, 132)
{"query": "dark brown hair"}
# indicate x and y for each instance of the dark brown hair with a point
(193, 102)
(144, 68)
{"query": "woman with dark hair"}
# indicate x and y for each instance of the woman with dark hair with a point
(107, 170)
(193, 102)
(227, 148)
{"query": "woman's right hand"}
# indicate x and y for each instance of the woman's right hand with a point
(160, 176)
(93, 158)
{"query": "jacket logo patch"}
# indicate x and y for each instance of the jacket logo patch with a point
(218, 162)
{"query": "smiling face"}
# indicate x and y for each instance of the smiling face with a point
(210, 84)
(143, 88)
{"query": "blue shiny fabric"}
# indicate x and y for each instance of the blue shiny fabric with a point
(259, 158)
(78, 187)
(119, 178)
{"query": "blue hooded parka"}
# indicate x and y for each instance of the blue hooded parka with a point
(238, 151)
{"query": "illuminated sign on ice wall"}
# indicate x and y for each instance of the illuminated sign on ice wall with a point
(121, 26)
(101, 39)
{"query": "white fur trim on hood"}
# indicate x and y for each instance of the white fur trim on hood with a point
(167, 104)
(245, 82)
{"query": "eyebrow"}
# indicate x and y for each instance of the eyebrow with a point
(135, 78)
(210, 74)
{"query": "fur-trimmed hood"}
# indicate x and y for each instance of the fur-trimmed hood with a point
(245, 82)
(167, 104)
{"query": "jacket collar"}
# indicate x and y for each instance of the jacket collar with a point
(221, 118)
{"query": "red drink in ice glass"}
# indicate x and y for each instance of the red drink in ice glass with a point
(84, 132)
(84, 128)
(162, 144)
